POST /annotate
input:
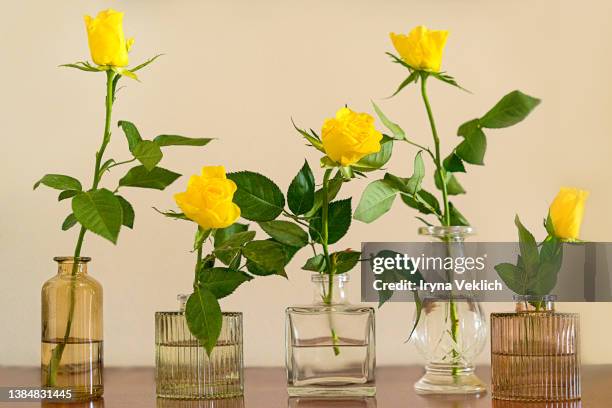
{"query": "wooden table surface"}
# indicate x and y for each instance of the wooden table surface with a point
(265, 388)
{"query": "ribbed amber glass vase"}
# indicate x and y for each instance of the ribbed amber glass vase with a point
(183, 370)
(535, 352)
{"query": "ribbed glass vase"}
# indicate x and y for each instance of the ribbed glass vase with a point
(535, 352)
(183, 370)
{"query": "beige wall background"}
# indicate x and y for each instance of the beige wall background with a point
(238, 70)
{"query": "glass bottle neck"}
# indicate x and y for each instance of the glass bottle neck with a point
(66, 265)
(447, 234)
(534, 304)
(330, 293)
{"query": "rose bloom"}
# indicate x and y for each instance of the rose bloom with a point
(566, 212)
(422, 48)
(208, 199)
(107, 43)
(350, 136)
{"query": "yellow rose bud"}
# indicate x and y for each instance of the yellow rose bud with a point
(350, 136)
(107, 43)
(208, 199)
(421, 49)
(566, 212)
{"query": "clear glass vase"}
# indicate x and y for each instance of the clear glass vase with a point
(452, 329)
(330, 345)
(71, 352)
(183, 370)
(535, 352)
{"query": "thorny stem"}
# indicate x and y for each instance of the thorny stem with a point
(446, 221)
(58, 351)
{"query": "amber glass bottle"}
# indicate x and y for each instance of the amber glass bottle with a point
(71, 354)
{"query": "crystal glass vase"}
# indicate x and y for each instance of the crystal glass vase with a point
(183, 370)
(535, 352)
(451, 330)
(71, 352)
(330, 345)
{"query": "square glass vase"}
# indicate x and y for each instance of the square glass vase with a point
(330, 345)
(183, 370)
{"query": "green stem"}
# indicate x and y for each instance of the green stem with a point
(328, 298)
(454, 315)
(197, 267)
(437, 159)
(58, 351)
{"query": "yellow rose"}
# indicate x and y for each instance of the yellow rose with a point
(208, 199)
(421, 49)
(350, 136)
(566, 212)
(107, 43)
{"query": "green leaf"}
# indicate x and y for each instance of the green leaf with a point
(257, 196)
(105, 166)
(127, 212)
(313, 139)
(413, 184)
(173, 214)
(452, 184)
(69, 222)
(223, 234)
(100, 212)
(316, 263)
(301, 192)
(413, 77)
(59, 182)
(265, 257)
(375, 161)
(444, 77)
(285, 232)
(147, 62)
(334, 188)
(423, 201)
(67, 194)
(551, 260)
(375, 201)
(158, 178)
(175, 140)
(131, 133)
(229, 250)
(344, 261)
(456, 218)
(222, 281)
(148, 153)
(510, 110)
(204, 318)
(339, 216)
(512, 276)
(474, 145)
(528, 248)
(398, 133)
(453, 164)
(418, 303)
(393, 275)
(82, 65)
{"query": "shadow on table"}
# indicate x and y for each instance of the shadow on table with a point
(520, 404)
(237, 402)
(451, 401)
(99, 403)
(348, 402)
